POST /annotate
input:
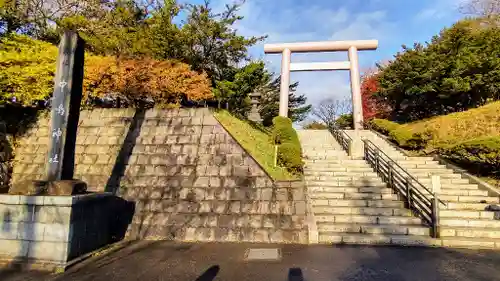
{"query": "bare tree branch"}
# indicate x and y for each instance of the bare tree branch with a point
(329, 110)
(483, 8)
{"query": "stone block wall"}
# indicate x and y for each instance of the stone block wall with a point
(5, 155)
(53, 229)
(189, 179)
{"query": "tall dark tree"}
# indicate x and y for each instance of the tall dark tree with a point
(297, 108)
(459, 69)
(212, 43)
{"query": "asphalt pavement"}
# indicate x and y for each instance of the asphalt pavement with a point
(165, 260)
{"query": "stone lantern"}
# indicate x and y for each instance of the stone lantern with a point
(254, 114)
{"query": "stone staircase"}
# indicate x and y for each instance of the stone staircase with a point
(349, 201)
(465, 221)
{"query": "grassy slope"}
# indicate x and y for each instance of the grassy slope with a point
(255, 140)
(460, 126)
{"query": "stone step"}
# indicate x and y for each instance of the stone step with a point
(377, 239)
(466, 206)
(415, 162)
(420, 158)
(341, 176)
(349, 162)
(470, 232)
(461, 186)
(422, 166)
(326, 211)
(345, 189)
(315, 146)
(480, 223)
(442, 176)
(471, 199)
(329, 174)
(443, 181)
(365, 203)
(325, 227)
(330, 167)
(464, 192)
(330, 171)
(325, 157)
(470, 243)
(369, 196)
(468, 214)
(428, 169)
(330, 153)
(360, 183)
(398, 220)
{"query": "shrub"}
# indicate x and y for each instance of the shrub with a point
(315, 125)
(406, 138)
(383, 126)
(289, 150)
(483, 154)
(283, 130)
(345, 121)
(289, 156)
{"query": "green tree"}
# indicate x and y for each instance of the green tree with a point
(27, 69)
(234, 94)
(212, 44)
(297, 110)
(457, 70)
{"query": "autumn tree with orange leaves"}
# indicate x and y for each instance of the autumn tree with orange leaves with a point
(164, 83)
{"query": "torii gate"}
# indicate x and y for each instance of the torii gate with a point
(326, 46)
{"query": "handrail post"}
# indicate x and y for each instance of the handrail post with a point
(435, 216)
(408, 192)
(349, 147)
(436, 189)
(389, 173)
(376, 160)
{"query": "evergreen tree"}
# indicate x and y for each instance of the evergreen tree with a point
(297, 110)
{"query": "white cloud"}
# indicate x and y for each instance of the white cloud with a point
(439, 9)
(365, 26)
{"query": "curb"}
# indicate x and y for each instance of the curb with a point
(106, 250)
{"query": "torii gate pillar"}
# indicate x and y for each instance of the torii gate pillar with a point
(352, 65)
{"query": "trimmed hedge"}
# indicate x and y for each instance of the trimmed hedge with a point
(402, 135)
(483, 154)
(289, 150)
(383, 126)
(406, 138)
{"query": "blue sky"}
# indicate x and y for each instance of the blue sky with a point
(392, 22)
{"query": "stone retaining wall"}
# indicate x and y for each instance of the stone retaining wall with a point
(5, 155)
(189, 179)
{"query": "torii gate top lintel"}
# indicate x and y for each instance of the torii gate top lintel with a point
(321, 46)
(352, 65)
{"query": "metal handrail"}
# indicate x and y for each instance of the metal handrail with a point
(342, 137)
(419, 198)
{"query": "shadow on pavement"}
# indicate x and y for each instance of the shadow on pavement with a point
(295, 274)
(209, 274)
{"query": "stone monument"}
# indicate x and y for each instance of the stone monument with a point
(254, 114)
(66, 101)
(66, 107)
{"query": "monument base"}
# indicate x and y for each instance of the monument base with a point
(47, 232)
(57, 188)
